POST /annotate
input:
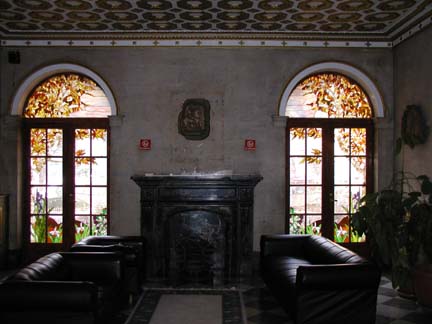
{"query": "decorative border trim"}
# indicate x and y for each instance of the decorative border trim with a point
(412, 31)
(215, 41)
(418, 19)
(194, 43)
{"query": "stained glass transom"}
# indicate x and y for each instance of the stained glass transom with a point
(67, 96)
(328, 95)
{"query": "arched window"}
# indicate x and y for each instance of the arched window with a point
(328, 95)
(329, 155)
(66, 158)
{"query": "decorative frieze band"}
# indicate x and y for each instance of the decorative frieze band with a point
(238, 43)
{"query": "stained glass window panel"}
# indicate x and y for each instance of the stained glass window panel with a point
(38, 142)
(341, 228)
(82, 171)
(358, 170)
(82, 227)
(38, 199)
(342, 170)
(55, 200)
(297, 141)
(100, 225)
(297, 170)
(99, 171)
(328, 95)
(297, 199)
(357, 192)
(99, 197)
(55, 142)
(67, 95)
(313, 225)
(358, 138)
(82, 200)
(55, 171)
(38, 171)
(341, 199)
(55, 229)
(314, 173)
(314, 141)
(38, 229)
(313, 200)
(297, 225)
(99, 142)
(82, 142)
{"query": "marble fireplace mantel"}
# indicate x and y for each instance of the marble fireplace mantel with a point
(166, 198)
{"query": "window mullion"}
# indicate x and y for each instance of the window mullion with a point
(69, 185)
(328, 181)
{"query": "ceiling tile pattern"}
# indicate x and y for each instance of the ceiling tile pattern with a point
(316, 18)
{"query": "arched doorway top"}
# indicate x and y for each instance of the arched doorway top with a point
(35, 78)
(355, 74)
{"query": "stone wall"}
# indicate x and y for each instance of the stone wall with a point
(243, 86)
(413, 86)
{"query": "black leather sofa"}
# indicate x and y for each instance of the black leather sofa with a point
(318, 281)
(65, 288)
(133, 249)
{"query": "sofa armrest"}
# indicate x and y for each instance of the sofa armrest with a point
(131, 254)
(112, 239)
(132, 246)
(338, 276)
(48, 295)
(337, 294)
(98, 267)
(283, 244)
(100, 248)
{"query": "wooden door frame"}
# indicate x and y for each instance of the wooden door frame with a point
(329, 124)
(32, 251)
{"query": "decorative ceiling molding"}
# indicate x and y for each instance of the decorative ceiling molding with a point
(227, 21)
(193, 43)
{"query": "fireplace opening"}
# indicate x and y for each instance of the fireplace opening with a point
(197, 247)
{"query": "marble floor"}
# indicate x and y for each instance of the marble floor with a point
(262, 308)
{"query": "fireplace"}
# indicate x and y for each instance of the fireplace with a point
(199, 229)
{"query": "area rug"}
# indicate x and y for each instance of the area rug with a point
(189, 306)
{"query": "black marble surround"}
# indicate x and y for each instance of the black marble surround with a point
(198, 227)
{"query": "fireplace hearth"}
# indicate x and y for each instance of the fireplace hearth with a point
(199, 229)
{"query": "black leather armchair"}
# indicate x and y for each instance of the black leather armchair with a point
(64, 288)
(318, 281)
(133, 249)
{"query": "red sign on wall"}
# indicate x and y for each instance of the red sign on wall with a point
(250, 145)
(145, 144)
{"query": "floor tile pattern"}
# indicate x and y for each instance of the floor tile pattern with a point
(262, 308)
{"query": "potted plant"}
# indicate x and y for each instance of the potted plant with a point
(398, 224)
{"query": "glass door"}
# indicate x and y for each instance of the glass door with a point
(329, 168)
(91, 182)
(46, 185)
(66, 181)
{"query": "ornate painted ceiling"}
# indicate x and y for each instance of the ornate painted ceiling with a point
(349, 20)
